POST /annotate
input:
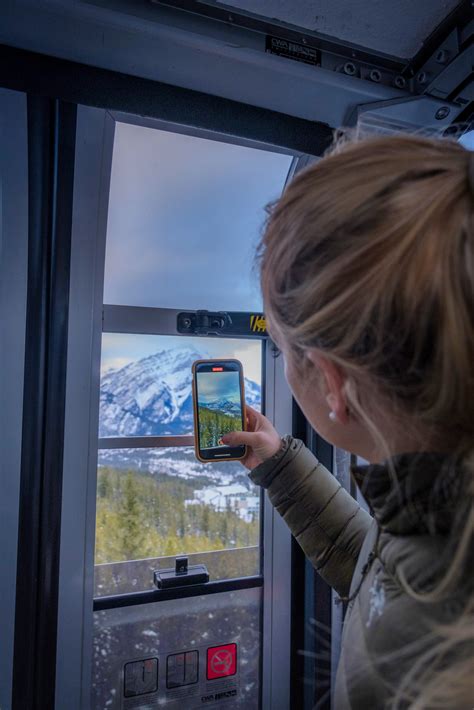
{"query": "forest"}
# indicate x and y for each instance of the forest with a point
(143, 515)
(213, 424)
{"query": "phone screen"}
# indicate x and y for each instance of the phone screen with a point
(219, 407)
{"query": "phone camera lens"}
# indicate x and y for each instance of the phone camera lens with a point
(186, 322)
(216, 323)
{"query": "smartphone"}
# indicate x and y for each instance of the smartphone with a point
(219, 407)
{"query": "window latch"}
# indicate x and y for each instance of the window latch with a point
(241, 324)
(181, 575)
(204, 322)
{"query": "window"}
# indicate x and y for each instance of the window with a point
(155, 502)
(184, 219)
(183, 223)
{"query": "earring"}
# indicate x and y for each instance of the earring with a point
(332, 416)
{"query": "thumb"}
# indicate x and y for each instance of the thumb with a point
(239, 438)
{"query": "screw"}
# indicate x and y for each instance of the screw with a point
(442, 113)
(400, 82)
(375, 75)
(422, 77)
(442, 56)
(452, 130)
(349, 68)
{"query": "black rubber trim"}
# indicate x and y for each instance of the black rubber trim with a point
(161, 595)
(51, 149)
(39, 74)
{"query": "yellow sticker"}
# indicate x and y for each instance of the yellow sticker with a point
(258, 324)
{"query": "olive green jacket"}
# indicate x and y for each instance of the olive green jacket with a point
(363, 558)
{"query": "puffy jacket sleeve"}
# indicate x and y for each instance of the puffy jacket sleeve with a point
(326, 521)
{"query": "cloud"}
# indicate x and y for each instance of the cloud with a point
(115, 363)
(216, 386)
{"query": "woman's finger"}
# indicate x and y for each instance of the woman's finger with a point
(239, 438)
(252, 417)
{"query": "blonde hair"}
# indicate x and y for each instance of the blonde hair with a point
(369, 257)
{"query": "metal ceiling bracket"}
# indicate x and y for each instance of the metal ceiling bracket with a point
(453, 81)
(413, 113)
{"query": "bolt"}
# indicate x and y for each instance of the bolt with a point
(422, 77)
(375, 75)
(442, 113)
(400, 82)
(442, 56)
(452, 130)
(349, 68)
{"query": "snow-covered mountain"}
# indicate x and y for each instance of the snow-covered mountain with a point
(153, 396)
(225, 406)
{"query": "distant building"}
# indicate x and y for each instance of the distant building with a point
(235, 497)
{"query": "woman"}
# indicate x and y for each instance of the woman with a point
(367, 271)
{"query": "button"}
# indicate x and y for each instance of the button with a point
(182, 669)
(191, 670)
(221, 661)
(140, 677)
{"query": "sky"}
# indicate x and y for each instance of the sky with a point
(215, 386)
(185, 216)
(467, 140)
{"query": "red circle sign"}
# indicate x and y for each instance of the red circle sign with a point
(221, 661)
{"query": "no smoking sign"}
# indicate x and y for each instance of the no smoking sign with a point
(221, 661)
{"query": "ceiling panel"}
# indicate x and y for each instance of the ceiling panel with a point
(393, 27)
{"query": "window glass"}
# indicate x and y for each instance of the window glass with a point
(467, 140)
(146, 381)
(159, 502)
(123, 637)
(184, 219)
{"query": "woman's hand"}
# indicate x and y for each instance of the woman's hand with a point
(261, 439)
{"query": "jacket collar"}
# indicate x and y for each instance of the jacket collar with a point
(412, 493)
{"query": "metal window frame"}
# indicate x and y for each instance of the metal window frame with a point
(13, 304)
(94, 146)
(94, 142)
(51, 142)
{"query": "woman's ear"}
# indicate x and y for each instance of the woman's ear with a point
(334, 384)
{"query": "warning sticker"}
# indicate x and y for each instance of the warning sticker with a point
(292, 50)
(258, 324)
(221, 661)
